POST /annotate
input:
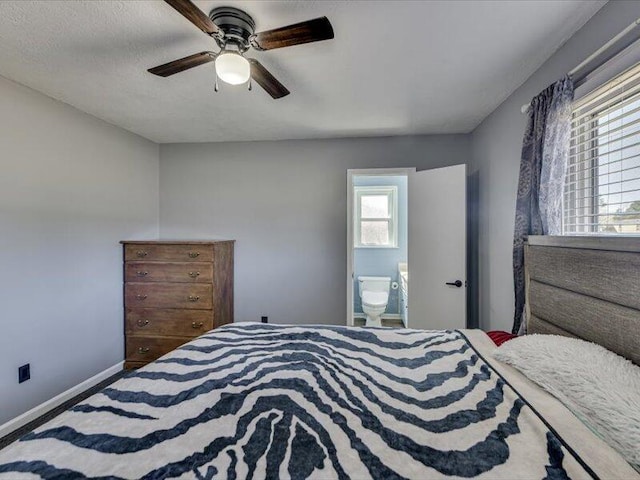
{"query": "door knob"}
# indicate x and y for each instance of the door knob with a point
(457, 283)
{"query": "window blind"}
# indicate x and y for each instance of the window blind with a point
(602, 186)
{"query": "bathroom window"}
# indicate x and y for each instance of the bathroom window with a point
(376, 217)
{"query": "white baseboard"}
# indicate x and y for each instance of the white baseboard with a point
(44, 407)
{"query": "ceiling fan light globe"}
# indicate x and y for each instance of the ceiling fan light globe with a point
(232, 68)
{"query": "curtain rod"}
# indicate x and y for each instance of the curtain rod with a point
(609, 50)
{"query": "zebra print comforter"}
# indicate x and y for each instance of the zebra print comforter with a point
(265, 401)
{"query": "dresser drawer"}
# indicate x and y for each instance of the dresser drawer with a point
(147, 349)
(167, 321)
(194, 272)
(133, 365)
(168, 253)
(168, 295)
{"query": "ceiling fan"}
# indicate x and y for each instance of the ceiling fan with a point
(234, 32)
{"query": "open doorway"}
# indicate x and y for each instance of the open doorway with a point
(428, 209)
(377, 247)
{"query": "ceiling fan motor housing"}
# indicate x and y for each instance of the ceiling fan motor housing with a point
(237, 25)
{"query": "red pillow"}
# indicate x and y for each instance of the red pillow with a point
(499, 336)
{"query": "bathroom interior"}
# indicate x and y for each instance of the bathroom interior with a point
(380, 273)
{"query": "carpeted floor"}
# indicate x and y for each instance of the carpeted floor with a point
(16, 434)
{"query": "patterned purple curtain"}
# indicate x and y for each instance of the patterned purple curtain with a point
(545, 150)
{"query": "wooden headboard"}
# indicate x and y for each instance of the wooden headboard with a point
(585, 287)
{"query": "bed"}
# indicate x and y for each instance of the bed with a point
(253, 400)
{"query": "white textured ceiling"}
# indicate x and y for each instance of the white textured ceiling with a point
(394, 67)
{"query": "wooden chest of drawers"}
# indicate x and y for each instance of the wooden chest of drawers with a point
(173, 292)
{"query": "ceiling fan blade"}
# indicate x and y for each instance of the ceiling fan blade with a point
(305, 32)
(196, 16)
(182, 64)
(267, 81)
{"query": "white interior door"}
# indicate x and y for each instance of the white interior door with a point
(437, 248)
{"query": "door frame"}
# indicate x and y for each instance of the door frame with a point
(382, 172)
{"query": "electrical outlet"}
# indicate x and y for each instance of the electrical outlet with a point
(264, 319)
(24, 373)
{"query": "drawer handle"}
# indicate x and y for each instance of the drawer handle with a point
(141, 253)
(194, 274)
(143, 350)
(142, 323)
(194, 254)
(141, 297)
(194, 298)
(197, 325)
(142, 274)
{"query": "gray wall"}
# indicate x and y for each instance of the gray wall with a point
(495, 165)
(71, 187)
(285, 203)
(383, 262)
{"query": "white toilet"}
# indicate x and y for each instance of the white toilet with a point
(374, 293)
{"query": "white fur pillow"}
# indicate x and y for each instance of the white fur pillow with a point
(598, 386)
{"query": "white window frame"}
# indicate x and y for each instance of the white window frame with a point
(581, 194)
(391, 191)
